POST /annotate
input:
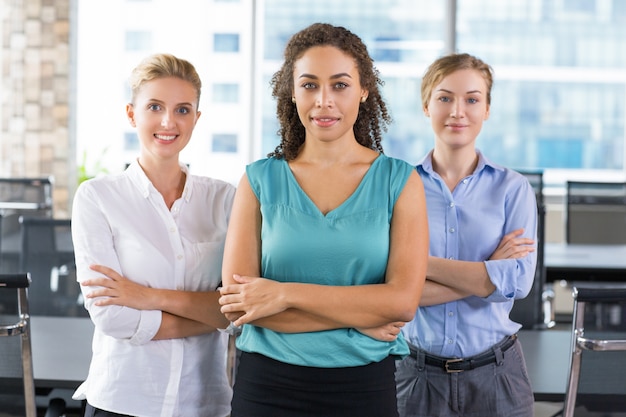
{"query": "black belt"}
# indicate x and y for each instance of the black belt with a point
(451, 365)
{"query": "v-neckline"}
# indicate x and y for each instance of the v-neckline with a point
(344, 202)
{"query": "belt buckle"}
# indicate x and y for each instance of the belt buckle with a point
(449, 361)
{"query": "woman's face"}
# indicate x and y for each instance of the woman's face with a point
(457, 108)
(328, 92)
(165, 113)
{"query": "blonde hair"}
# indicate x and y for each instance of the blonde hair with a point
(161, 66)
(448, 64)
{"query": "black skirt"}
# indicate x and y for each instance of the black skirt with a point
(265, 387)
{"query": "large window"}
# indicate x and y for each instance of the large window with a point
(560, 93)
(559, 98)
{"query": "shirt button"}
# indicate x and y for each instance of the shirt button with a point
(465, 181)
(179, 257)
(450, 341)
(452, 230)
(451, 204)
(450, 313)
(172, 229)
(451, 257)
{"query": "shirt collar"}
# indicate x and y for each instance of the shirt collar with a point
(426, 163)
(136, 174)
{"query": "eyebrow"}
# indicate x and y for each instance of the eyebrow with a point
(315, 77)
(469, 92)
(156, 100)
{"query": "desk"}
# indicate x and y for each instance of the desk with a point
(62, 354)
(61, 350)
(578, 262)
(547, 359)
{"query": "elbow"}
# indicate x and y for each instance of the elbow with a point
(108, 322)
(405, 310)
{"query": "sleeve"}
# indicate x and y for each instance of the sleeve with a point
(514, 278)
(93, 244)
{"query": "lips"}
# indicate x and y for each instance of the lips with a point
(325, 121)
(165, 137)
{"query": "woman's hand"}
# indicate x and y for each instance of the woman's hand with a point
(252, 299)
(118, 290)
(386, 333)
(512, 247)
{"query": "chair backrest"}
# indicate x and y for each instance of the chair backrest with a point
(529, 311)
(48, 255)
(596, 212)
(30, 192)
(20, 196)
(16, 367)
(598, 349)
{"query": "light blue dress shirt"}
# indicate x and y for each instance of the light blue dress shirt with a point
(468, 224)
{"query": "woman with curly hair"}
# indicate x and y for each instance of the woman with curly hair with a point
(326, 250)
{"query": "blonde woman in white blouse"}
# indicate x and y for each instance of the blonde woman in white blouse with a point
(149, 246)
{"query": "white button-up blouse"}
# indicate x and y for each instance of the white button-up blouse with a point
(122, 222)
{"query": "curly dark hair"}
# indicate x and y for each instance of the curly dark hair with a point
(373, 116)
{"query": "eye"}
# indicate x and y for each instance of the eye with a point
(183, 110)
(444, 99)
(340, 85)
(309, 85)
(154, 107)
(472, 100)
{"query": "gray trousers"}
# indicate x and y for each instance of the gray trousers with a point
(493, 390)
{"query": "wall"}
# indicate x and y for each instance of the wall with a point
(36, 94)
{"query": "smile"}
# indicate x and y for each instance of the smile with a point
(324, 121)
(165, 137)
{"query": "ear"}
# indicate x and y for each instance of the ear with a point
(130, 113)
(426, 112)
(364, 95)
(487, 112)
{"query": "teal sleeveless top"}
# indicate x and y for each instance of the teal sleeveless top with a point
(347, 246)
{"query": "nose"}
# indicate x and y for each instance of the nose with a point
(457, 109)
(324, 98)
(167, 120)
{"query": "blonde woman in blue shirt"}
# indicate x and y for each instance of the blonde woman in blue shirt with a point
(338, 232)
(482, 223)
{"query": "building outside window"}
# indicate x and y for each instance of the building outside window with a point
(226, 42)
(559, 98)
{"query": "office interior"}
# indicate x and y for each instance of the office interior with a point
(558, 105)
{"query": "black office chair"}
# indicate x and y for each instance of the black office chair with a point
(17, 382)
(596, 212)
(20, 196)
(598, 352)
(536, 311)
(16, 367)
(48, 255)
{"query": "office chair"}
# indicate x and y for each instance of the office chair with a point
(17, 363)
(20, 196)
(48, 255)
(596, 212)
(16, 367)
(536, 311)
(604, 348)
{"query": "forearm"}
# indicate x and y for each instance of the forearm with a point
(354, 306)
(435, 293)
(296, 321)
(468, 277)
(175, 327)
(198, 306)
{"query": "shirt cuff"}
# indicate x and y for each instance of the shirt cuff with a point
(149, 324)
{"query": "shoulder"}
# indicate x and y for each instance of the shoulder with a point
(213, 188)
(265, 164)
(398, 170)
(101, 184)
